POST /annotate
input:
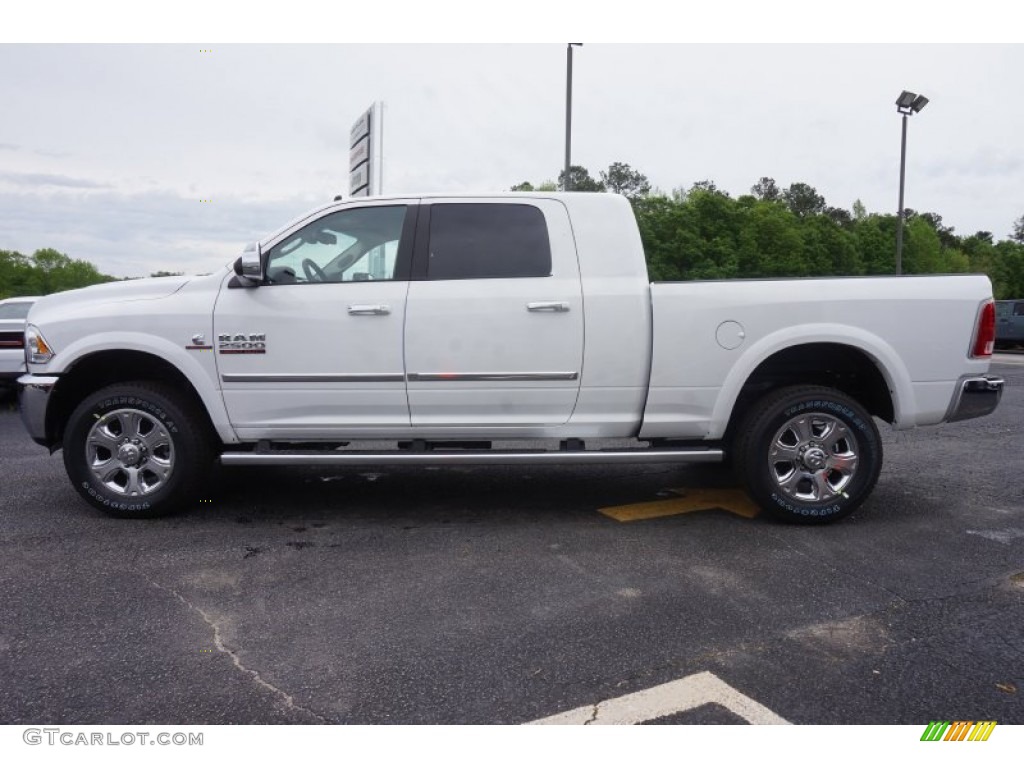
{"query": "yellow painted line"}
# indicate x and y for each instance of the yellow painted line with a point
(689, 500)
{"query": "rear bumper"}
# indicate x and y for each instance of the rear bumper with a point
(975, 396)
(33, 398)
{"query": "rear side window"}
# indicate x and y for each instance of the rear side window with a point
(481, 240)
(1018, 309)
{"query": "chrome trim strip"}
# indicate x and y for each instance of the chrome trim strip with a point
(309, 378)
(363, 378)
(439, 458)
(568, 376)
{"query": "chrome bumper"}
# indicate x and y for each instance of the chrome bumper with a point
(33, 397)
(975, 396)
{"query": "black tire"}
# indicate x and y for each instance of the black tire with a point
(137, 450)
(808, 455)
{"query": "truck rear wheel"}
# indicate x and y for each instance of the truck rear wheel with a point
(137, 449)
(808, 454)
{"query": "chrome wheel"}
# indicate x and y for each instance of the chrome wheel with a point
(813, 458)
(129, 452)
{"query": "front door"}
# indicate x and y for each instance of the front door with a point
(315, 352)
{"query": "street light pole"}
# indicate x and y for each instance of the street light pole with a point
(902, 212)
(567, 183)
(907, 104)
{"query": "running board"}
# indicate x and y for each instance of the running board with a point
(438, 458)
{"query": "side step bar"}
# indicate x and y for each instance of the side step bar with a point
(438, 458)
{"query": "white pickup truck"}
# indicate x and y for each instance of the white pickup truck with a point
(495, 329)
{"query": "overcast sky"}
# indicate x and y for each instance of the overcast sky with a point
(107, 152)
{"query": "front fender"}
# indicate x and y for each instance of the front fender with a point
(196, 365)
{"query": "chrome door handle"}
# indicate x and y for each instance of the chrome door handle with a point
(369, 309)
(547, 306)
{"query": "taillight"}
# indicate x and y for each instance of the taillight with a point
(985, 333)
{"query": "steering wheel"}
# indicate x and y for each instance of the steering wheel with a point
(313, 272)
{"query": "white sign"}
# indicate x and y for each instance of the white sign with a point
(359, 178)
(359, 154)
(360, 128)
(365, 160)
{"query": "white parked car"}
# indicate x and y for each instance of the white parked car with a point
(12, 338)
(444, 324)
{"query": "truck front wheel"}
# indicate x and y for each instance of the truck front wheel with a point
(808, 454)
(136, 450)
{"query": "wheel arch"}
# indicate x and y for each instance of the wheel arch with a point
(861, 366)
(98, 369)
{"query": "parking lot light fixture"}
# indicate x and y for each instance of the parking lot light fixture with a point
(907, 104)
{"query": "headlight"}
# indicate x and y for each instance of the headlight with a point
(36, 348)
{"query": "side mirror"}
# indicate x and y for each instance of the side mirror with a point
(249, 266)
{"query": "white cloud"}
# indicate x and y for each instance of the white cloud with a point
(156, 129)
(137, 234)
(35, 180)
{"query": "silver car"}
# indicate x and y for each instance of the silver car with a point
(12, 338)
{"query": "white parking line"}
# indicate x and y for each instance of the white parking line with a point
(678, 696)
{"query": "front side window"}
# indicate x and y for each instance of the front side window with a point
(487, 240)
(357, 244)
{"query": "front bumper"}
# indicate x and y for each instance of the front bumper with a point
(33, 397)
(975, 396)
(11, 367)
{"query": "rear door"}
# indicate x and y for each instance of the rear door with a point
(494, 318)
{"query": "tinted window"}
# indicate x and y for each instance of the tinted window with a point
(16, 310)
(480, 240)
(1018, 309)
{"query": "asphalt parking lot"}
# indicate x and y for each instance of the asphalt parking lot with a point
(502, 595)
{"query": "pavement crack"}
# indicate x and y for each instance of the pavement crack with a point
(218, 642)
(593, 715)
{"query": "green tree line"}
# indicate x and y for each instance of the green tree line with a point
(45, 271)
(704, 233)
